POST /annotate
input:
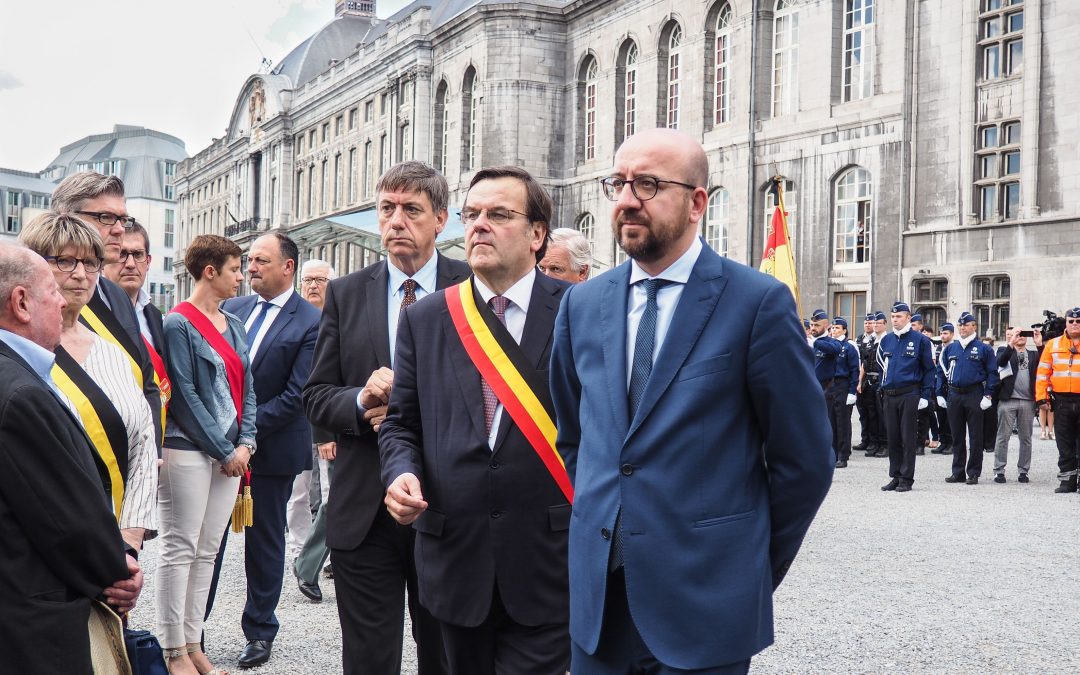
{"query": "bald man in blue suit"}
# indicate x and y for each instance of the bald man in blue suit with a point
(693, 428)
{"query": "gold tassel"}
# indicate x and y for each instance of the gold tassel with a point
(238, 515)
(249, 507)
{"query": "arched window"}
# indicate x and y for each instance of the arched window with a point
(470, 123)
(722, 66)
(715, 228)
(586, 225)
(852, 220)
(785, 64)
(442, 128)
(671, 72)
(626, 93)
(588, 75)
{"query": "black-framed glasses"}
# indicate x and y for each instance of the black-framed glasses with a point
(109, 219)
(318, 281)
(495, 216)
(643, 187)
(137, 256)
(67, 263)
(1072, 320)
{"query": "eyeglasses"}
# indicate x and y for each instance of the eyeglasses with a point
(137, 256)
(318, 281)
(67, 263)
(1072, 320)
(643, 187)
(496, 216)
(109, 219)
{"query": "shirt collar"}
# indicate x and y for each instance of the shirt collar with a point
(903, 330)
(142, 300)
(39, 359)
(279, 300)
(519, 294)
(677, 272)
(964, 342)
(424, 277)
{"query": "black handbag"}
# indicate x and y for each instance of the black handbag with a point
(144, 653)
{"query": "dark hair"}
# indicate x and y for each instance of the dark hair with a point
(288, 247)
(137, 228)
(416, 177)
(538, 204)
(209, 249)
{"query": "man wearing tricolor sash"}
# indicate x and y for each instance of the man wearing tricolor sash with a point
(467, 445)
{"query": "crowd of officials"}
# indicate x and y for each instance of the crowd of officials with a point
(548, 472)
(952, 393)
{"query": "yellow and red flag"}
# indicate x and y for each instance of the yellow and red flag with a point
(778, 259)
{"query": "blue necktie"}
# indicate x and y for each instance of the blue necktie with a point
(644, 345)
(253, 332)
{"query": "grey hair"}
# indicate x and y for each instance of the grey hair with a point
(315, 262)
(80, 187)
(576, 245)
(15, 270)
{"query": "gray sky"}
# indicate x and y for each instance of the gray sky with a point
(71, 68)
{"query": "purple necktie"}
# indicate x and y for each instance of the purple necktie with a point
(499, 305)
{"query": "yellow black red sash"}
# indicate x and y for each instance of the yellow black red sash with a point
(96, 316)
(495, 360)
(102, 422)
(161, 378)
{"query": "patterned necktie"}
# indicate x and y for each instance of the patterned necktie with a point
(410, 295)
(253, 332)
(499, 305)
(644, 345)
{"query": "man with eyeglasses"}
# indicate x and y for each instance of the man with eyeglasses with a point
(99, 202)
(467, 445)
(347, 394)
(692, 426)
(1059, 379)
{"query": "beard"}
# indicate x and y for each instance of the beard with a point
(656, 239)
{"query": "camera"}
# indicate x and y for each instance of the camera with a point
(1052, 327)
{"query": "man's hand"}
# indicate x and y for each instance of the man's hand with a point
(377, 390)
(1015, 341)
(328, 451)
(404, 499)
(858, 387)
(1037, 337)
(375, 417)
(123, 594)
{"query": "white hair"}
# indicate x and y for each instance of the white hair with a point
(308, 264)
(576, 245)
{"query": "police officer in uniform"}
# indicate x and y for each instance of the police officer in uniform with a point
(864, 396)
(907, 383)
(945, 436)
(872, 370)
(923, 437)
(969, 371)
(841, 394)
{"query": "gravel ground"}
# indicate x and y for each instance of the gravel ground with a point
(943, 579)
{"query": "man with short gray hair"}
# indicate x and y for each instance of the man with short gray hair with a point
(568, 256)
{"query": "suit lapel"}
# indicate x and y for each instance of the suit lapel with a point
(379, 331)
(695, 307)
(613, 303)
(444, 275)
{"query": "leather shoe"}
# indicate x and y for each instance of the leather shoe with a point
(1066, 486)
(841, 464)
(1000, 478)
(882, 452)
(891, 485)
(256, 653)
(1022, 478)
(860, 446)
(946, 448)
(310, 591)
(903, 488)
(954, 479)
(972, 480)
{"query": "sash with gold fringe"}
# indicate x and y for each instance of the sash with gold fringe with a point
(501, 363)
(102, 422)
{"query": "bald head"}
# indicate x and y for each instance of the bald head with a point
(674, 148)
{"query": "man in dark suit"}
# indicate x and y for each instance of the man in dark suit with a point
(350, 384)
(99, 201)
(281, 328)
(693, 426)
(62, 547)
(463, 452)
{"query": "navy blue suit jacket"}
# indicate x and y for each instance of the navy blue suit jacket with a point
(279, 370)
(718, 475)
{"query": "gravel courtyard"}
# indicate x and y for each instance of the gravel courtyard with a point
(943, 579)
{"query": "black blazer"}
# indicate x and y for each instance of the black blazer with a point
(279, 370)
(494, 517)
(61, 544)
(155, 322)
(1008, 355)
(354, 341)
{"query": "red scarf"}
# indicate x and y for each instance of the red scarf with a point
(234, 367)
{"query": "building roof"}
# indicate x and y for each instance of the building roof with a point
(24, 181)
(334, 41)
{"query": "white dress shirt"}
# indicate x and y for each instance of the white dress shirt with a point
(144, 326)
(519, 295)
(667, 299)
(275, 308)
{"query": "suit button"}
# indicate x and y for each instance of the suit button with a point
(626, 469)
(496, 514)
(494, 465)
(605, 533)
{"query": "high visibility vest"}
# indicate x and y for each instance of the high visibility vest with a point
(1059, 368)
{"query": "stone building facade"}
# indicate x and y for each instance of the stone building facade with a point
(927, 146)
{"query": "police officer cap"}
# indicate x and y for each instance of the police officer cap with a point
(1073, 313)
(965, 317)
(805, 323)
(949, 327)
(916, 317)
(879, 316)
(840, 321)
(818, 315)
(870, 317)
(899, 306)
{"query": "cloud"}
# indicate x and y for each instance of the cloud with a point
(9, 81)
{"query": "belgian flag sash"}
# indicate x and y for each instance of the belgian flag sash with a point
(501, 363)
(97, 316)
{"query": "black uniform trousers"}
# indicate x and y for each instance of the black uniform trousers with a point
(901, 428)
(371, 581)
(944, 430)
(871, 416)
(990, 426)
(924, 425)
(965, 414)
(840, 417)
(1067, 433)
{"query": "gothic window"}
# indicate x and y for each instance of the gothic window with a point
(442, 128)
(470, 105)
(722, 66)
